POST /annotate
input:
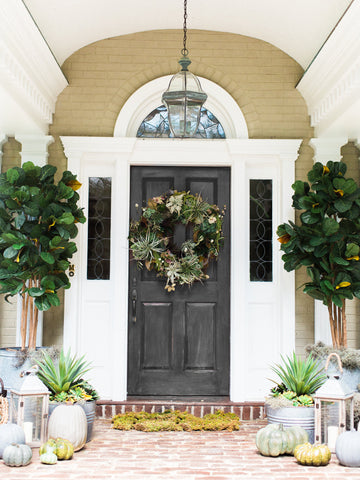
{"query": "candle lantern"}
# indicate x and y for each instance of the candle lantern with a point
(29, 407)
(334, 406)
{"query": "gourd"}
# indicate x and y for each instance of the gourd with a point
(10, 433)
(17, 455)
(274, 440)
(48, 458)
(316, 455)
(63, 449)
(347, 448)
(69, 421)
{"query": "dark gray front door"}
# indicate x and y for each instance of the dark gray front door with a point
(179, 344)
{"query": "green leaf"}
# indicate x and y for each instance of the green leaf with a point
(342, 205)
(352, 250)
(340, 261)
(12, 175)
(308, 218)
(10, 252)
(53, 299)
(36, 292)
(66, 218)
(19, 221)
(330, 226)
(42, 303)
(47, 257)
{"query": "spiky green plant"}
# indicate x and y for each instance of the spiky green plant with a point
(146, 246)
(63, 375)
(303, 377)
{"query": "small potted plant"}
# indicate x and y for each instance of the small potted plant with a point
(291, 402)
(64, 378)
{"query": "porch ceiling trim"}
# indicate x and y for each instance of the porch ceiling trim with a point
(331, 84)
(28, 69)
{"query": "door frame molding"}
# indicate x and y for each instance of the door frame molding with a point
(260, 157)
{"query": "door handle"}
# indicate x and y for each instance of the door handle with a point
(133, 302)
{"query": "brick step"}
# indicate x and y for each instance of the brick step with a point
(199, 408)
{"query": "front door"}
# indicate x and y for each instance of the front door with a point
(179, 342)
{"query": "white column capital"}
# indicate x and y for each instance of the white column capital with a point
(326, 149)
(34, 148)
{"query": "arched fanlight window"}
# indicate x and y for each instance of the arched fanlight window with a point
(156, 125)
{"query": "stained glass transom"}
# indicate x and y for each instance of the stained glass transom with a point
(99, 227)
(156, 125)
(261, 231)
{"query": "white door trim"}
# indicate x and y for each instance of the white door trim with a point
(88, 155)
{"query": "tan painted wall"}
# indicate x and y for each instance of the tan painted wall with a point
(260, 77)
(8, 311)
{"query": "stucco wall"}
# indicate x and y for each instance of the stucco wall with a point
(260, 78)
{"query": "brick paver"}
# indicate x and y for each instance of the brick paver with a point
(113, 454)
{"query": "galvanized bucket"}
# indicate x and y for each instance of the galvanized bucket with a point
(293, 416)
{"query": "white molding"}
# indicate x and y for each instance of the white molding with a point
(148, 97)
(332, 82)
(245, 157)
(28, 69)
(34, 148)
(326, 149)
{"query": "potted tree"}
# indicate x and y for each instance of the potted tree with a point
(38, 220)
(326, 241)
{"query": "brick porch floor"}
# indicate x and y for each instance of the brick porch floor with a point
(175, 455)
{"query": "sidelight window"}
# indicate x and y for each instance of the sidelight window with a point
(261, 258)
(99, 227)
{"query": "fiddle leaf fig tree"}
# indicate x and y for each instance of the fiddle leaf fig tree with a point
(37, 224)
(326, 241)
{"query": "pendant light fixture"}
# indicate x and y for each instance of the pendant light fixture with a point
(184, 96)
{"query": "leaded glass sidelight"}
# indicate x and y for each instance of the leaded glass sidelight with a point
(156, 125)
(260, 230)
(99, 227)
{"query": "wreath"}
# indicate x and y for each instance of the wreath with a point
(152, 237)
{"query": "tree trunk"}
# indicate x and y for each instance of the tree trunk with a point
(338, 327)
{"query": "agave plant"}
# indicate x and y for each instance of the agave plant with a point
(303, 377)
(62, 376)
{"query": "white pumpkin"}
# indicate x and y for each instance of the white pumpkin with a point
(69, 422)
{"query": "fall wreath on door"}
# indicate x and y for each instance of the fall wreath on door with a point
(151, 237)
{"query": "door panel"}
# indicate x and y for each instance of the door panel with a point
(179, 344)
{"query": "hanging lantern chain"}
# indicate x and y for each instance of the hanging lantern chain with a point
(185, 51)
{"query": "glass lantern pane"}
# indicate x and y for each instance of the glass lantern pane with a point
(26, 411)
(156, 125)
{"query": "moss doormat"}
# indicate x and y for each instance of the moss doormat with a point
(170, 421)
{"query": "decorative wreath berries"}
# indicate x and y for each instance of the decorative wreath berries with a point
(152, 237)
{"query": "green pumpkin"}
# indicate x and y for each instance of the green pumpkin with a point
(274, 440)
(316, 455)
(48, 458)
(17, 455)
(62, 448)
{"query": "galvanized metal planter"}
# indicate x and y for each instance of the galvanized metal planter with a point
(290, 416)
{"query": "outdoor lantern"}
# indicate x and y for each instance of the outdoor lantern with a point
(29, 407)
(184, 96)
(334, 405)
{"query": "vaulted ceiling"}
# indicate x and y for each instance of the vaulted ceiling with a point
(37, 36)
(298, 27)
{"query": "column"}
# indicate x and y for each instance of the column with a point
(325, 149)
(3, 139)
(34, 148)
